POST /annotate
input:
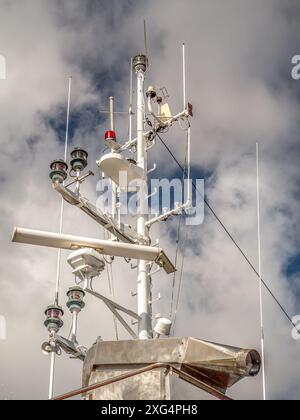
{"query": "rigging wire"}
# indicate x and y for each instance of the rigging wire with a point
(175, 264)
(178, 237)
(180, 283)
(111, 287)
(233, 240)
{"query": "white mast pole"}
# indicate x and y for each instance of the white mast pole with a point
(260, 278)
(143, 286)
(53, 354)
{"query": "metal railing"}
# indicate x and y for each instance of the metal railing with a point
(169, 369)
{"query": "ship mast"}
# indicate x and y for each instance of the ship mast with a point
(211, 367)
(143, 282)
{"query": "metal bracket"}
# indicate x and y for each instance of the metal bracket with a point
(152, 169)
(114, 308)
(155, 300)
(153, 194)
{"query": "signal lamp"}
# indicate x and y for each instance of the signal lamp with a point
(58, 171)
(53, 320)
(140, 63)
(79, 159)
(110, 135)
(75, 299)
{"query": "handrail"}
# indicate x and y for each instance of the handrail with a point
(169, 367)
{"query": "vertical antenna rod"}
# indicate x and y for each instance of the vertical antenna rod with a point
(184, 76)
(260, 278)
(143, 286)
(146, 41)
(62, 200)
(130, 99)
(113, 184)
(111, 113)
(114, 192)
(52, 364)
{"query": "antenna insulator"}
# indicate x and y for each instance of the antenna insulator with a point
(140, 63)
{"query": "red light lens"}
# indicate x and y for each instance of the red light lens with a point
(110, 135)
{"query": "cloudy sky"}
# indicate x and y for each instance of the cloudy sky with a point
(239, 80)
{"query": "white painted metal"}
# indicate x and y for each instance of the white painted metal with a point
(113, 184)
(86, 263)
(71, 242)
(111, 113)
(74, 324)
(122, 232)
(131, 100)
(163, 327)
(187, 205)
(184, 76)
(143, 283)
(260, 278)
(120, 170)
(168, 123)
(52, 374)
(150, 109)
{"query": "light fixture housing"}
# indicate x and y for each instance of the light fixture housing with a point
(54, 314)
(110, 135)
(163, 327)
(59, 170)
(79, 159)
(140, 63)
(151, 92)
(75, 299)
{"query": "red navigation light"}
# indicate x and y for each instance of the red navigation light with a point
(110, 135)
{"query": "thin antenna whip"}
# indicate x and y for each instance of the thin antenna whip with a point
(130, 99)
(52, 364)
(62, 200)
(146, 41)
(260, 278)
(184, 76)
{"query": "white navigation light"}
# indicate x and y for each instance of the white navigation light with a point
(59, 170)
(79, 159)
